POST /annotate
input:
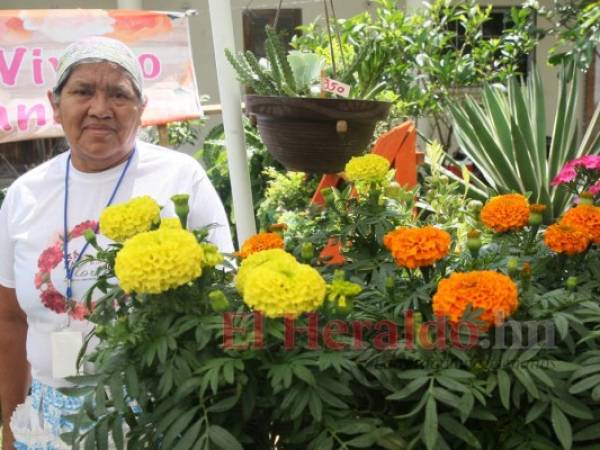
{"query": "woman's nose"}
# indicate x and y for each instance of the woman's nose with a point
(100, 106)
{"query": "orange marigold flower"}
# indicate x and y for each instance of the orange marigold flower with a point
(417, 247)
(492, 292)
(505, 213)
(586, 217)
(569, 239)
(260, 242)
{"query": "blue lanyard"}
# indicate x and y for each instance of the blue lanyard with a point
(70, 268)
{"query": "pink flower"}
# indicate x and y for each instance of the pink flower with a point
(79, 312)
(80, 229)
(50, 258)
(591, 162)
(595, 189)
(569, 171)
(40, 279)
(54, 300)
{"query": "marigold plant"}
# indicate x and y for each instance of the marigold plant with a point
(367, 168)
(278, 286)
(417, 247)
(505, 212)
(260, 242)
(586, 217)
(568, 239)
(124, 220)
(275, 257)
(494, 293)
(156, 261)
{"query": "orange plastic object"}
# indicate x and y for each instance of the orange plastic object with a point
(332, 253)
(399, 147)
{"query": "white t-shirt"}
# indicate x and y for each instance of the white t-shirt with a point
(31, 232)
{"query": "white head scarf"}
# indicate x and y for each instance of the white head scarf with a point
(99, 48)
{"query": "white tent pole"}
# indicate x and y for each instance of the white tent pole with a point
(221, 22)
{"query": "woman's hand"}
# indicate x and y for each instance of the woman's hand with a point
(14, 369)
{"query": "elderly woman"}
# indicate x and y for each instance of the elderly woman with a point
(98, 100)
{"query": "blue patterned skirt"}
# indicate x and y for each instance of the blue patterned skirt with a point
(38, 423)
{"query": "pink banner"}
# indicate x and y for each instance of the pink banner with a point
(32, 40)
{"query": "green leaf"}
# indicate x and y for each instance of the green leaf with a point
(223, 438)
(562, 427)
(459, 430)
(178, 427)
(430, 426)
(117, 433)
(315, 406)
(116, 392)
(409, 389)
(527, 382)
(536, 411)
(223, 405)
(190, 436)
(504, 388)
(304, 374)
(585, 384)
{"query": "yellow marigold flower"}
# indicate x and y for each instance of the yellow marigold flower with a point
(417, 247)
(273, 257)
(586, 217)
(369, 167)
(260, 242)
(125, 220)
(156, 261)
(506, 212)
(278, 291)
(569, 239)
(171, 222)
(212, 256)
(492, 292)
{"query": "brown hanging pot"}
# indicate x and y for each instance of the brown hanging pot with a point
(316, 135)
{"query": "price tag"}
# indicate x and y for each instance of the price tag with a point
(335, 87)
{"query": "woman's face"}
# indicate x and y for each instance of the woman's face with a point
(100, 113)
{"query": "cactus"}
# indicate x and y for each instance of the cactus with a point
(279, 50)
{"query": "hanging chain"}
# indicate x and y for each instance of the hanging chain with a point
(331, 49)
(337, 31)
(276, 21)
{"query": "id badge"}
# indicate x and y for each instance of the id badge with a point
(66, 346)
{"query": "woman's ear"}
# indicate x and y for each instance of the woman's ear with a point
(54, 104)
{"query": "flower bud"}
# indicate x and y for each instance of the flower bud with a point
(90, 237)
(512, 266)
(394, 191)
(586, 198)
(474, 242)
(218, 301)
(536, 214)
(571, 283)
(390, 282)
(474, 206)
(307, 251)
(526, 271)
(182, 208)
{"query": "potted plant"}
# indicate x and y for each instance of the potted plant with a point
(303, 128)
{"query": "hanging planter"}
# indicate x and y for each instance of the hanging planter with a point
(302, 127)
(316, 135)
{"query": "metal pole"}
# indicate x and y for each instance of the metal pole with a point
(221, 22)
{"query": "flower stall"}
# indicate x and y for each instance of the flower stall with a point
(444, 323)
